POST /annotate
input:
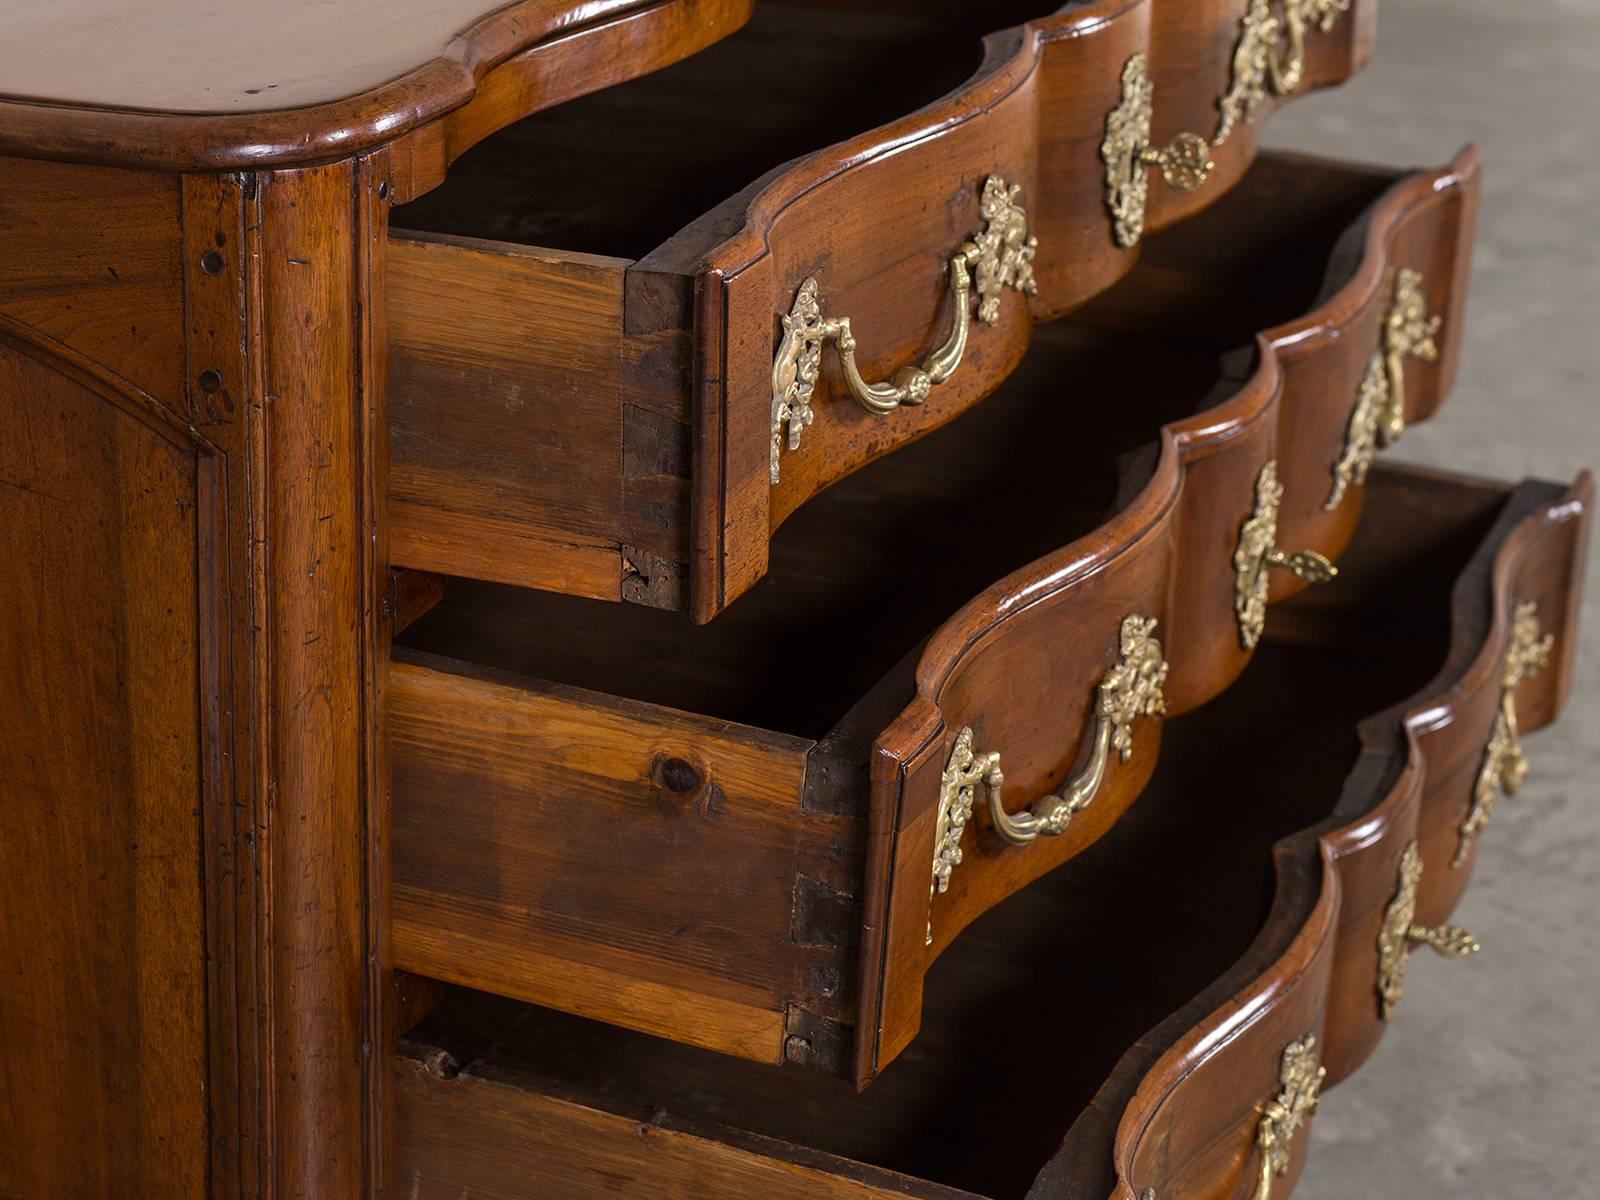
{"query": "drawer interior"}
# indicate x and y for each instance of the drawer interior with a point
(1026, 1015)
(865, 570)
(641, 159)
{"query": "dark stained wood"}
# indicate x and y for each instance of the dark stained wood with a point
(1022, 1030)
(412, 596)
(179, 88)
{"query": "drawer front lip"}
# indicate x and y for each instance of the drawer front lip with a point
(647, 475)
(1034, 114)
(1183, 1119)
(1203, 485)
(1197, 71)
(1334, 881)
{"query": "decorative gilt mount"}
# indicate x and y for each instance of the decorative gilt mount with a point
(1400, 932)
(998, 258)
(1505, 767)
(1379, 417)
(957, 793)
(1301, 1075)
(1130, 689)
(1257, 550)
(1271, 54)
(1185, 162)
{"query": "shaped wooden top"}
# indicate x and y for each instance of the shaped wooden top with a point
(223, 84)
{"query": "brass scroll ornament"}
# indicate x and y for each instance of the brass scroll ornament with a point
(1271, 53)
(1129, 690)
(1379, 417)
(1400, 932)
(1257, 550)
(1185, 163)
(1505, 767)
(998, 258)
(1301, 1076)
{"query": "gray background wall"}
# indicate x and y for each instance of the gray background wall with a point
(1488, 1083)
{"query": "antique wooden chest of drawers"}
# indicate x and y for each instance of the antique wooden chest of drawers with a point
(698, 598)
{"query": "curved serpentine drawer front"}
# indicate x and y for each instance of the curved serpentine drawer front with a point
(630, 413)
(758, 836)
(1105, 1033)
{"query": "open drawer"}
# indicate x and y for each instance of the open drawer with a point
(614, 373)
(1158, 1014)
(758, 835)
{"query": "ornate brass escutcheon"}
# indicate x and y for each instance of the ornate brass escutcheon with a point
(1399, 932)
(1505, 767)
(1300, 1074)
(1185, 163)
(1130, 689)
(998, 258)
(1257, 550)
(1271, 54)
(1379, 417)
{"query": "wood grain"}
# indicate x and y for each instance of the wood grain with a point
(102, 901)
(981, 668)
(506, 421)
(1081, 525)
(1277, 955)
(227, 87)
(714, 265)
(93, 260)
(599, 856)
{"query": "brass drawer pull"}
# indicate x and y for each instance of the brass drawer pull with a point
(1271, 53)
(1185, 163)
(1399, 932)
(998, 258)
(1379, 417)
(1301, 1075)
(1257, 550)
(1505, 766)
(1129, 690)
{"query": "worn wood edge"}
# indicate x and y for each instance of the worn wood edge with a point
(1258, 398)
(1097, 1153)
(171, 141)
(743, 227)
(500, 1089)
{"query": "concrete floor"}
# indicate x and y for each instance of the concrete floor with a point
(1488, 1084)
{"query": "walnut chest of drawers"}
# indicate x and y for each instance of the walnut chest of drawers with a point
(723, 599)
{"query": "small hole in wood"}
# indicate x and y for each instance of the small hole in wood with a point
(679, 776)
(210, 381)
(211, 262)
